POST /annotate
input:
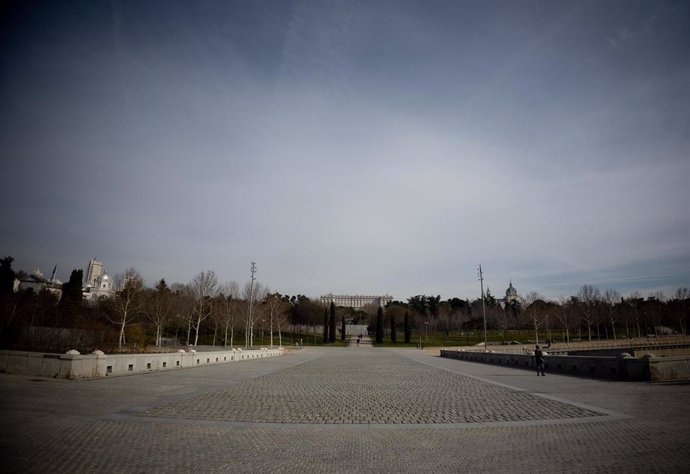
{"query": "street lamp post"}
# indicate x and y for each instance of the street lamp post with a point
(249, 332)
(481, 280)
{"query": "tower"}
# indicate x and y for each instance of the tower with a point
(94, 271)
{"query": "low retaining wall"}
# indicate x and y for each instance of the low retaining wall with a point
(621, 367)
(73, 365)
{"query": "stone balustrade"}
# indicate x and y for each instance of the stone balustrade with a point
(73, 365)
(621, 367)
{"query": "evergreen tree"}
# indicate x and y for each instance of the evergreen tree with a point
(71, 300)
(407, 328)
(379, 326)
(342, 329)
(162, 286)
(71, 291)
(394, 336)
(325, 325)
(331, 324)
(6, 276)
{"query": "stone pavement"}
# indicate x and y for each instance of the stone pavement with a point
(343, 410)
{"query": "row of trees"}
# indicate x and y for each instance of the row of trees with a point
(380, 331)
(590, 314)
(204, 307)
(218, 313)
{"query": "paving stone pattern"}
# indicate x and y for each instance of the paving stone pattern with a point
(361, 389)
(198, 420)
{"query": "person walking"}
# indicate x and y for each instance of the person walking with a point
(539, 359)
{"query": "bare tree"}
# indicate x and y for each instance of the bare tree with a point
(253, 292)
(634, 300)
(127, 303)
(534, 310)
(680, 303)
(281, 321)
(653, 308)
(183, 309)
(159, 306)
(227, 308)
(589, 297)
(611, 297)
(276, 308)
(204, 287)
(563, 310)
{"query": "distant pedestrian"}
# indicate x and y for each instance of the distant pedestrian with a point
(539, 359)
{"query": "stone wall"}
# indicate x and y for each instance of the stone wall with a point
(73, 365)
(621, 367)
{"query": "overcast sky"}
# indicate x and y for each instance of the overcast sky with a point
(351, 146)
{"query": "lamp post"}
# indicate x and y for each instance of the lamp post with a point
(249, 333)
(481, 280)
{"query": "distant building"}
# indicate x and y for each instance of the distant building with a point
(356, 301)
(98, 283)
(93, 271)
(512, 297)
(37, 283)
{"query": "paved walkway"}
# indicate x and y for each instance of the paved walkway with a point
(343, 410)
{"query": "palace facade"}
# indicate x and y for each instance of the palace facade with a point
(356, 301)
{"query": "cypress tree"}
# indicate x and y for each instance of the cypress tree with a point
(379, 326)
(331, 324)
(71, 291)
(342, 329)
(6, 276)
(325, 325)
(394, 336)
(407, 328)
(71, 300)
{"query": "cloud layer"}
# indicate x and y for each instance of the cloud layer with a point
(351, 147)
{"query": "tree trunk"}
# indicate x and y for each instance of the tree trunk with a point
(122, 334)
(196, 332)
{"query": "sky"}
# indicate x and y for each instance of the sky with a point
(350, 147)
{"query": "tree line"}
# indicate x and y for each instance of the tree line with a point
(207, 311)
(589, 314)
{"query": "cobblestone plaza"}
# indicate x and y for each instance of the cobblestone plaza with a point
(343, 410)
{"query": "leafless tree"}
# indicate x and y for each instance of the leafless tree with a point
(253, 293)
(634, 301)
(204, 287)
(276, 308)
(183, 308)
(611, 298)
(535, 303)
(653, 309)
(680, 304)
(564, 308)
(127, 304)
(588, 297)
(159, 308)
(227, 308)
